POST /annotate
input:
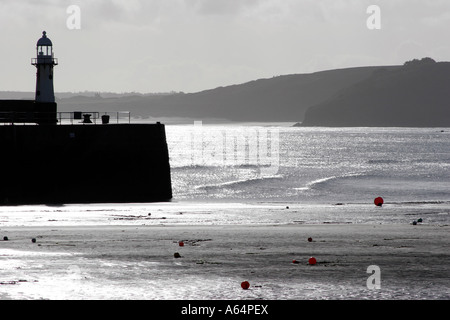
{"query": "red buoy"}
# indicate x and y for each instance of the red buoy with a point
(312, 261)
(378, 201)
(309, 239)
(181, 243)
(295, 261)
(245, 285)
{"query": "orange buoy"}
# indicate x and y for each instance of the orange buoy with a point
(245, 285)
(378, 201)
(312, 261)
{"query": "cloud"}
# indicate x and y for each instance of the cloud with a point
(187, 45)
(221, 7)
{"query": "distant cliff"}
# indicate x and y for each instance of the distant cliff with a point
(416, 95)
(282, 98)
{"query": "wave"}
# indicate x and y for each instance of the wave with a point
(383, 161)
(214, 167)
(314, 183)
(421, 202)
(233, 183)
(403, 161)
(191, 167)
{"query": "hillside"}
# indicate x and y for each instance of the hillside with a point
(415, 95)
(282, 98)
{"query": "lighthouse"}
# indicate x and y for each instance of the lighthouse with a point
(35, 156)
(44, 63)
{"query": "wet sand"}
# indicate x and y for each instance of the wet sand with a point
(137, 262)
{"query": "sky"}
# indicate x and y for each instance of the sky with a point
(152, 46)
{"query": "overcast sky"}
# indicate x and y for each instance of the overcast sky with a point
(192, 45)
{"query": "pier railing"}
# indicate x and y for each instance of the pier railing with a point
(73, 117)
(86, 117)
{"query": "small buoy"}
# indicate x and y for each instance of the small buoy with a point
(295, 261)
(245, 285)
(312, 261)
(378, 201)
(5, 238)
(149, 214)
(181, 243)
(176, 255)
(33, 240)
(309, 239)
(414, 222)
(419, 220)
(287, 207)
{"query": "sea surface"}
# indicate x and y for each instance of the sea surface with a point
(278, 174)
(309, 165)
(324, 174)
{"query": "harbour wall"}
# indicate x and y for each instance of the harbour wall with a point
(59, 164)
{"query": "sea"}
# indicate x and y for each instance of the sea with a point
(323, 174)
(277, 173)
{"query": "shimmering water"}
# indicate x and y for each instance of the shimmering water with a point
(235, 174)
(311, 166)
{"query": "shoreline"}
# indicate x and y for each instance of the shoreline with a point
(192, 213)
(137, 262)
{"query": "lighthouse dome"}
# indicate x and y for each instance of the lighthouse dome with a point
(44, 41)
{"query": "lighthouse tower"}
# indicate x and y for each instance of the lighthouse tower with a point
(44, 63)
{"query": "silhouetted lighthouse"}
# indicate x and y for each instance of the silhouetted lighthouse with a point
(37, 158)
(44, 63)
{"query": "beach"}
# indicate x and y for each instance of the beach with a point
(137, 262)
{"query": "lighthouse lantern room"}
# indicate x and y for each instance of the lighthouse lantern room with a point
(44, 63)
